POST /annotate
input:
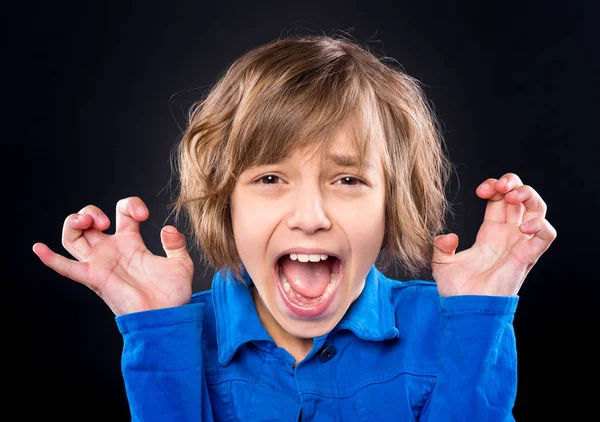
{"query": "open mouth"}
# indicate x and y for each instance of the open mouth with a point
(308, 283)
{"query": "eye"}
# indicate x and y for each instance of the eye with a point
(268, 179)
(350, 181)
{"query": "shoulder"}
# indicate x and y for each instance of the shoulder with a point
(417, 314)
(419, 295)
(202, 297)
(209, 324)
(417, 300)
(205, 297)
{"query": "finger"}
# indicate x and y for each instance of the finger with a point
(543, 235)
(75, 270)
(446, 243)
(444, 247)
(495, 189)
(486, 190)
(174, 243)
(495, 209)
(498, 209)
(72, 235)
(100, 222)
(533, 204)
(130, 211)
(508, 183)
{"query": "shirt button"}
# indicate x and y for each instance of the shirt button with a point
(327, 353)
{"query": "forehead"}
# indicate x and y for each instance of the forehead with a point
(347, 146)
(343, 149)
(358, 134)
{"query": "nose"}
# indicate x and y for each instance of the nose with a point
(308, 213)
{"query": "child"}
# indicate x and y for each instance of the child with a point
(310, 167)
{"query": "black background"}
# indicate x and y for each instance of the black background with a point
(95, 96)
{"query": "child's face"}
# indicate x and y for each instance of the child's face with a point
(309, 205)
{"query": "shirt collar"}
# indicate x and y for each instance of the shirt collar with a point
(370, 317)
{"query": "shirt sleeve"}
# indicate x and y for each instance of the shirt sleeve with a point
(162, 364)
(477, 364)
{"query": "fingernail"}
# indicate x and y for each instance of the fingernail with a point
(102, 219)
(141, 210)
(504, 180)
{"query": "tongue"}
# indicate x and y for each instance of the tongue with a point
(310, 279)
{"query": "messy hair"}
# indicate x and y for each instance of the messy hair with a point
(298, 91)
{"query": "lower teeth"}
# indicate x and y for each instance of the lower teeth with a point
(304, 300)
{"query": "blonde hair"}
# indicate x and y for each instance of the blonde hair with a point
(296, 91)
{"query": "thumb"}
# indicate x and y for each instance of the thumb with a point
(444, 246)
(174, 243)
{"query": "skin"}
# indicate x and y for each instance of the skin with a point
(119, 267)
(512, 237)
(130, 278)
(310, 203)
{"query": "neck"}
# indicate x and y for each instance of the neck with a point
(298, 347)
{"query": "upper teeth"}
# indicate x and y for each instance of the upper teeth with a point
(307, 257)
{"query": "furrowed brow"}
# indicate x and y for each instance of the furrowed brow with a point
(348, 161)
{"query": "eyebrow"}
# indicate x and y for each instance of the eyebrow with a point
(343, 160)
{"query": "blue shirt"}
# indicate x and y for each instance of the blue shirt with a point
(400, 353)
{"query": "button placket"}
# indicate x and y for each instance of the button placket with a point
(327, 353)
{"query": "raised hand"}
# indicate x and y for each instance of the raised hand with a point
(514, 234)
(119, 267)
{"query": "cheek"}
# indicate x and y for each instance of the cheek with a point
(246, 232)
(364, 226)
(252, 227)
(253, 221)
(364, 219)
